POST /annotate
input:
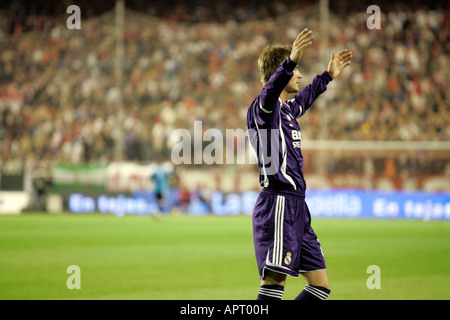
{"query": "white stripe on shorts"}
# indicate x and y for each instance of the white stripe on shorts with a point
(278, 231)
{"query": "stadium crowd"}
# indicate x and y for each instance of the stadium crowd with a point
(59, 100)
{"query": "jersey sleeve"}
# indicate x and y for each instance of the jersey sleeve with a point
(305, 98)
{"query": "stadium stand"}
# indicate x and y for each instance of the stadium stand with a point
(58, 102)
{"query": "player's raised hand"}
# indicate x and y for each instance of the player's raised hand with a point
(304, 39)
(338, 62)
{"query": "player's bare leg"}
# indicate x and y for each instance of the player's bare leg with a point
(271, 277)
(316, 278)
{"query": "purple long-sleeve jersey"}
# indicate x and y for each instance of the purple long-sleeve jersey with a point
(274, 131)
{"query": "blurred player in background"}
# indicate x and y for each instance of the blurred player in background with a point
(285, 243)
(161, 179)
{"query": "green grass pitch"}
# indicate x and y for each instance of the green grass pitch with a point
(186, 257)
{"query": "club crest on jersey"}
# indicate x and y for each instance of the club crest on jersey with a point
(288, 259)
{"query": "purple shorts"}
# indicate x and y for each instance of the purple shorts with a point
(283, 237)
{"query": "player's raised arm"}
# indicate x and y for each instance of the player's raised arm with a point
(311, 92)
(338, 62)
(304, 40)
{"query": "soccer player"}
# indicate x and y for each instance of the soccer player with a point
(285, 243)
(161, 179)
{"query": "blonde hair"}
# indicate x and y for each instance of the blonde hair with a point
(270, 59)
